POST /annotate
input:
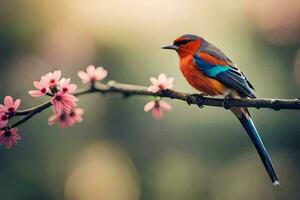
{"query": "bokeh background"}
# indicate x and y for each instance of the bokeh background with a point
(120, 152)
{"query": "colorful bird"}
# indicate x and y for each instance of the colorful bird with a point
(211, 72)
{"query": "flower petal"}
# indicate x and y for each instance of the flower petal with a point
(35, 93)
(7, 144)
(171, 80)
(57, 75)
(8, 101)
(72, 88)
(65, 81)
(154, 81)
(149, 106)
(52, 120)
(100, 73)
(153, 88)
(90, 70)
(3, 108)
(157, 113)
(38, 85)
(162, 78)
(164, 105)
(3, 123)
(84, 76)
(17, 104)
(79, 111)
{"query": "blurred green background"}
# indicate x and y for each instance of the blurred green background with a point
(120, 152)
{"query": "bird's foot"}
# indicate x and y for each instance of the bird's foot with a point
(225, 103)
(196, 99)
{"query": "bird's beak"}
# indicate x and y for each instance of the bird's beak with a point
(172, 46)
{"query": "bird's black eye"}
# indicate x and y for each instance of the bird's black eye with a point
(181, 42)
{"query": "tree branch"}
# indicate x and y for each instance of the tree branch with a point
(198, 99)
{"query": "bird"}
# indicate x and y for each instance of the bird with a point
(207, 69)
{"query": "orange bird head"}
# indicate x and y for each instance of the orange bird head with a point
(185, 45)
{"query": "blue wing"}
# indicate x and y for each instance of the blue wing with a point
(228, 75)
(214, 51)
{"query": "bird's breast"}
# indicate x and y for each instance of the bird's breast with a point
(198, 80)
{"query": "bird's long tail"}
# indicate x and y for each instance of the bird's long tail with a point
(245, 119)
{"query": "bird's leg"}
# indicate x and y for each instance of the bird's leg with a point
(225, 102)
(196, 99)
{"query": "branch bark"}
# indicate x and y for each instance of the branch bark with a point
(198, 99)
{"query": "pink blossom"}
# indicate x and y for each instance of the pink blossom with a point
(65, 86)
(10, 104)
(76, 114)
(9, 108)
(42, 89)
(157, 108)
(67, 119)
(9, 137)
(160, 83)
(51, 79)
(63, 102)
(92, 74)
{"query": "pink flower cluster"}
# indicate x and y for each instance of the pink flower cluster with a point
(64, 102)
(8, 136)
(92, 74)
(8, 109)
(65, 110)
(158, 106)
(59, 89)
(65, 119)
(160, 83)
